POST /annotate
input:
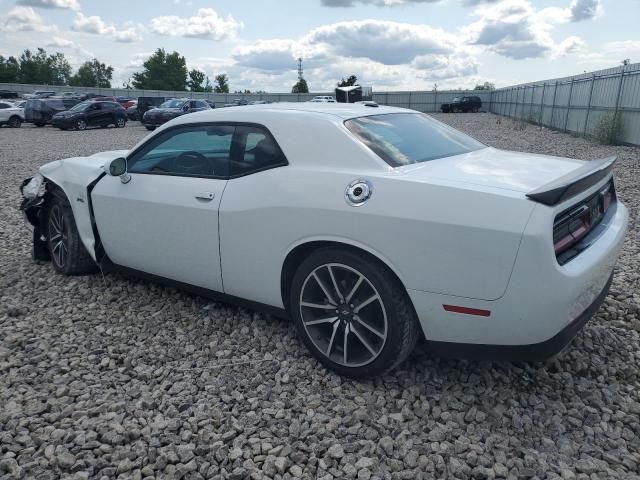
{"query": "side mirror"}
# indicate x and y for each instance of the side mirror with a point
(118, 168)
(185, 108)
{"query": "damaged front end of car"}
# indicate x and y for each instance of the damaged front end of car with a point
(34, 192)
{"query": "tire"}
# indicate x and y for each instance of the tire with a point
(372, 310)
(39, 124)
(68, 254)
(149, 127)
(15, 122)
(120, 122)
(81, 124)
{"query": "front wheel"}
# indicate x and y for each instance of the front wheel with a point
(81, 125)
(15, 122)
(352, 313)
(120, 122)
(68, 254)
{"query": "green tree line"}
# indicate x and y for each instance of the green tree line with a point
(161, 71)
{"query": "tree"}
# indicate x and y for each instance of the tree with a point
(300, 87)
(349, 82)
(162, 71)
(196, 79)
(222, 83)
(207, 85)
(485, 86)
(92, 74)
(9, 68)
(59, 70)
(40, 68)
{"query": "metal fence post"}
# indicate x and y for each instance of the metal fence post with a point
(586, 117)
(553, 105)
(566, 115)
(541, 114)
(435, 101)
(619, 89)
(410, 98)
(533, 91)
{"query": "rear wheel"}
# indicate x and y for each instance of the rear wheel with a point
(120, 122)
(68, 254)
(149, 127)
(15, 122)
(352, 313)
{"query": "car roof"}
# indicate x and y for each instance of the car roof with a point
(341, 110)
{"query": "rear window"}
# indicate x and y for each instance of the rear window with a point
(406, 138)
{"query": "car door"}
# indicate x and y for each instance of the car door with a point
(93, 114)
(164, 221)
(4, 111)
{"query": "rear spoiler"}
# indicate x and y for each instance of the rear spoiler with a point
(573, 183)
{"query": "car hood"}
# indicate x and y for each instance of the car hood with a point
(164, 110)
(79, 170)
(489, 167)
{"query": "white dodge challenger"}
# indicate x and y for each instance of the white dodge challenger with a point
(370, 227)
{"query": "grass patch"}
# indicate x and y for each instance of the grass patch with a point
(608, 130)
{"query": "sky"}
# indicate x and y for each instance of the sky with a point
(387, 44)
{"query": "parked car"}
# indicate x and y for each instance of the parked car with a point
(39, 111)
(126, 102)
(292, 208)
(171, 109)
(8, 94)
(11, 114)
(92, 113)
(146, 103)
(40, 94)
(132, 111)
(20, 103)
(462, 104)
(323, 99)
(237, 102)
(211, 103)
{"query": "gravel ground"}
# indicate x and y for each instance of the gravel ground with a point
(118, 378)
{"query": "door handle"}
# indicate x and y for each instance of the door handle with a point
(207, 196)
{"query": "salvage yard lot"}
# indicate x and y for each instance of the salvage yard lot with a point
(113, 377)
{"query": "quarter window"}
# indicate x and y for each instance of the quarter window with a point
(190, 151)
(257, 151)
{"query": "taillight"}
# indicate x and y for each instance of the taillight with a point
(574, 224)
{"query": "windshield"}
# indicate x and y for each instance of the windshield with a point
(79, 107)
(172, 104)
(406, 138)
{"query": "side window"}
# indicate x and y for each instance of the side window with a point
(201, 104)
(4, 105)
(257, 151)
(200, 151)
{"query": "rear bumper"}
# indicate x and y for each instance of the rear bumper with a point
(62, 123)
(534, 352)
(544, 306)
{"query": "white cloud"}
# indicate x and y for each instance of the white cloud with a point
(59, 42)
(25, 19)
(391, 43)
(63, 4)
(584, 9)
(515, 29)
(206, 24)
(377, 3)
(95, 25)
(441, 67)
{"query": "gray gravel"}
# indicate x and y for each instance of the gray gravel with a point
(117, 378)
